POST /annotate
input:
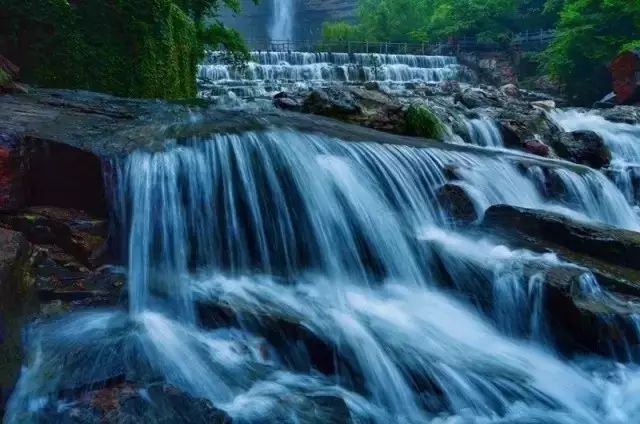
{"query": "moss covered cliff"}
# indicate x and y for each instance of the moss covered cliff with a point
(138, 48)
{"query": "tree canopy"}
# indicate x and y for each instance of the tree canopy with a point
(589, 32)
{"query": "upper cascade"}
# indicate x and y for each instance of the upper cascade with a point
(316, 69)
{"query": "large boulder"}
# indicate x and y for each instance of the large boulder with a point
(333, 102)
(610, 253)
(583, 147)
(617, 246)
(520, 122)
(370, 108)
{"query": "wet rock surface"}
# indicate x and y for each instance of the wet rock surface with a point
(457, 203)
(583, 147)
(617, 246)
(126, 403)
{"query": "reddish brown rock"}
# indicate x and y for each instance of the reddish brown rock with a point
(537, 148)
(12, 172)
(625, 71)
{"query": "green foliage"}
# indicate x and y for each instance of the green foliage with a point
(342, 31)
(139, 48)
(427, 20)
(590, 33)
(488, 19)
(4, 78)
(421, 122)
(631, 46)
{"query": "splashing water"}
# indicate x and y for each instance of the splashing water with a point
(484, 132)
(337, 240)
(622, 139)
(270, 72)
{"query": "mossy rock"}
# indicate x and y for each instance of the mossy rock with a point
(421, 122)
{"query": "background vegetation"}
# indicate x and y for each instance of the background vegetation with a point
(137, 48)
(589, 32)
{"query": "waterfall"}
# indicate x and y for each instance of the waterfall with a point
(336, 243)
(484, 132)
(269, 72)
(282, 16)
(622, 139)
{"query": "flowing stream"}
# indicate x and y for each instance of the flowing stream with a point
(344, 242)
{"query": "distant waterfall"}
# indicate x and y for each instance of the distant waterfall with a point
(282, 20)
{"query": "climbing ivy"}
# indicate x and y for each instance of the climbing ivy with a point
(137, 48)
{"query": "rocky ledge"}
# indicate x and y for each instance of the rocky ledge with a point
(522, 117)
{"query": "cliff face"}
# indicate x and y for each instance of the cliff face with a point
(254, 21)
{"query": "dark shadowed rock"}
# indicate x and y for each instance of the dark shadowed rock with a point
(127, 403)
(369, 108)
(620, 247)
(372, 85)
(333, 102)
(583, 147)
(77, 233)
(12, 171)
(457, 203)
(16, 294)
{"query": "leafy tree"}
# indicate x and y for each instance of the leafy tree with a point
(590, 33)
(488, 19)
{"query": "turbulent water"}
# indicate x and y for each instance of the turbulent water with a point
(622, 139)
(270, 72)
(342, 239)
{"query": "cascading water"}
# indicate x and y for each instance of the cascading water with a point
(269, 72)
(282, 17)
(622, 139)
(339, 239)
(484, 132)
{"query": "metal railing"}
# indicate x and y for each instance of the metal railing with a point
(383, 47)
(528, 40)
